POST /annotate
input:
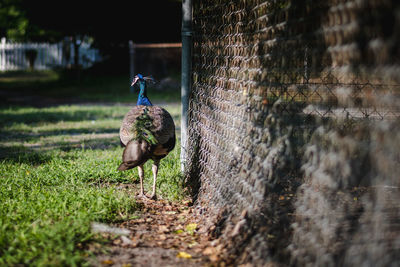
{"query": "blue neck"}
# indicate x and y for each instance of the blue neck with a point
(142, 98)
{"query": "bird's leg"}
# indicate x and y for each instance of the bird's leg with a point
(154, 168)
(141, 174)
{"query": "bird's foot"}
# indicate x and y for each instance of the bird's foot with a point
(144, 196)
(153, 196)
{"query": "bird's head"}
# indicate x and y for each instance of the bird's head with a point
(139, 78)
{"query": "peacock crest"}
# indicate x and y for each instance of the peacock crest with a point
(142, 128)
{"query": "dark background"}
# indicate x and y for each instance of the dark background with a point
(109, 25)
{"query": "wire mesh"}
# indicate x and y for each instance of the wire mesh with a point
(293, 122)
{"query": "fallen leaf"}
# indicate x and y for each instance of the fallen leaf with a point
(163, 228)
(185, 211)
(193, 244)
(126, 241)
(179, 231)
(168, 208)
(139, 221)
(184, 255)
(191, 227)
(187, 202)
(170, 212)
(209, 251)
(213, 257)
(107, 262)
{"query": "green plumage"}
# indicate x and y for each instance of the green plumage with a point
(152, 130)
(142, 128)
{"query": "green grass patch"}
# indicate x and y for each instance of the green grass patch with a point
(58, 174)
(87, 86)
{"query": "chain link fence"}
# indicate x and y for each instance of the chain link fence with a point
(294, 130)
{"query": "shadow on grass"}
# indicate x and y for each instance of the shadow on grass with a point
(21, 154)
(25, 136)
(38, 116)
(37, 154)
(49, 88)
(25, 143)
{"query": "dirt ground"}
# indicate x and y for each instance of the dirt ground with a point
(164, 234)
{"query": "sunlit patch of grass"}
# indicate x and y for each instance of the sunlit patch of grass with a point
(48, 201)
(17, 78)
(67, 113)
(58, 173)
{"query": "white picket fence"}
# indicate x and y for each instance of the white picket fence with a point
(13, 55)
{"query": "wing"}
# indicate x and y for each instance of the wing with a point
(126, 132)
(163, 127)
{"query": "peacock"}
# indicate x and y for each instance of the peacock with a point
(147, 132)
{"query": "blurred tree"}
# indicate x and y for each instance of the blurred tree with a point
(110, 24)
(16, 26)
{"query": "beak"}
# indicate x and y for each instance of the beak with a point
(135, 80)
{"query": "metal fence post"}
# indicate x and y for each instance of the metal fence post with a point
(186, 72)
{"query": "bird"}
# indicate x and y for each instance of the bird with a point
(147, 132)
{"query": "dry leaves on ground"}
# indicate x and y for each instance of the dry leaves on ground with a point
(164, 234)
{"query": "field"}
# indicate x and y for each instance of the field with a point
(58, 165)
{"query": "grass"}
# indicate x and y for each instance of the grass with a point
(58, 174)
(88, 87)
